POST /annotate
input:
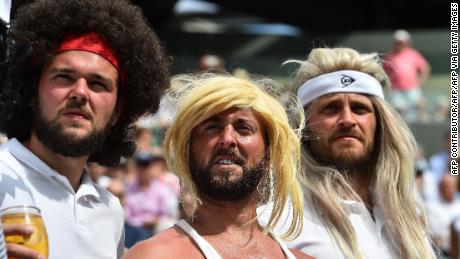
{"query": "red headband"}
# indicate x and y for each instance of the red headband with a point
(94, 43)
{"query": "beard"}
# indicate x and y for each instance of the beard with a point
(53, 136)
(222, 187)
(344, 160)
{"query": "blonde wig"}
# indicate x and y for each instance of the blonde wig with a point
(201, 96)
(392, 182)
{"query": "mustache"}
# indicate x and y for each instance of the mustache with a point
(233, 153)
(347, 132)
(77, 107)
(315, 135)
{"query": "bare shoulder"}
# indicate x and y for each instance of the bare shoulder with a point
(169, 244)
(300, 255)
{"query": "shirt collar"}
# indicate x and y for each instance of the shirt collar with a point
(20, 152)
(25, 156)
(358, 207)
(87, 187)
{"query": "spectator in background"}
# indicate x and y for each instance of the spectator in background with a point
(441, 109)
(117, 175)
(455, 239)
(211, 63)
(144, 140)
(439, 161)
(441, 213)
(98, 175)
(160, 172)
(407, 70)
(148, 201)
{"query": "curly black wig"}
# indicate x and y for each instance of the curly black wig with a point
(38, 30)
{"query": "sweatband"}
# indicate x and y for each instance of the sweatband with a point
(342, 81)
(94, 43)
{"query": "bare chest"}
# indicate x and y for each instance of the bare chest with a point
(250, 250)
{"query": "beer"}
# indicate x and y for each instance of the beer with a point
(27, 215)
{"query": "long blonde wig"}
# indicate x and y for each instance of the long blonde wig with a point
(202, 96)
(392, 182)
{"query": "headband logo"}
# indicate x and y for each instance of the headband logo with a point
(346, 80)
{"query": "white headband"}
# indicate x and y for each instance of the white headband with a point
(343, 81)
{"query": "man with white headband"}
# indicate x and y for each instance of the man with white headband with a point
(80, 73)
(358, 163)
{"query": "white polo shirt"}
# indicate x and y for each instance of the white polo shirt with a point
(86, 224)
(2, 244)
(316, 241)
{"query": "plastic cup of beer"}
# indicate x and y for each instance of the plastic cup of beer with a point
(27, 215)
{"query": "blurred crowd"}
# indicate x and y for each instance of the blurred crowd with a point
(439, 190)
(148, 191)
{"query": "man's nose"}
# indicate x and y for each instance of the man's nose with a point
(80, 91)
(228, 137)
(347, 118)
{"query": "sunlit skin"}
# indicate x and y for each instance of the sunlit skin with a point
(344, 125)
(84, 78)
(78, 90)
(234, 129)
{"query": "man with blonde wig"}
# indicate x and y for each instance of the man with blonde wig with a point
(358, 163)
(233, 147)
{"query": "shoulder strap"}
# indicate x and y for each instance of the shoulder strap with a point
(208, 251)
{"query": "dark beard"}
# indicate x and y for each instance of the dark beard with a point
(52, 136)
(223, 189)
(342, 163)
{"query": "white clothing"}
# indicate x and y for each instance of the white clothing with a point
(5, 8)
(209, 251)
(2, 244)
(315, 239)
(438, 164)
(440, 215)
(430, 187)
(87, 224)
(456, 225)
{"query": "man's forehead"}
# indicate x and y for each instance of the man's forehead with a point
(234, 112)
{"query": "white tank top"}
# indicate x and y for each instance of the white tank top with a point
(209, 251)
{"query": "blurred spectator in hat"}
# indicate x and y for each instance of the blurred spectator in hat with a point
(117, 175)
(442, 213)
(211, 63)
(144, 140)
(97, 173)
(148, 201)
(441, 109)
(423, 115)
(160, 172)
(439, 162)
(407, 70)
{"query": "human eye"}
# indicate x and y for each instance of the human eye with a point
(361, 108)
(329, 108)
(63, 77)
(211, 127)
(245, 129)
(99, 86)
